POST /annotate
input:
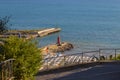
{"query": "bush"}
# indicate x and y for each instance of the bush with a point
(26, 54)
(3, 24)
(118, 57)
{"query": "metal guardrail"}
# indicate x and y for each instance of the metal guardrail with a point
(6, 69)
(80, 58)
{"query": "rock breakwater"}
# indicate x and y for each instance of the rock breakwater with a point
(54, 48)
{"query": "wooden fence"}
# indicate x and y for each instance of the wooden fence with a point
(6, 70)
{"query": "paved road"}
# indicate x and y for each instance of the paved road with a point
(98, 72)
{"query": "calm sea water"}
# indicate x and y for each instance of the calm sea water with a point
(88, 24)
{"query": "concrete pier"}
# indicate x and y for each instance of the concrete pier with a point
(30, 34)
(48, 31)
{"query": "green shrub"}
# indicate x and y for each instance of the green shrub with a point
(118, 57)
(26, 54)
(3, 24)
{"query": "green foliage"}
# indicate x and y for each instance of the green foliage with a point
(26, 54)
(118, 57)
(3, 24)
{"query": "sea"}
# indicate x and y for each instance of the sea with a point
(87, 24)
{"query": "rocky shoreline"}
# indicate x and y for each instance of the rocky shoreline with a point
(55, 48)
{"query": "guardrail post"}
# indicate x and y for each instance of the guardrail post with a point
(115, 55)
(99, 54)
(12, 69)
(82, 57)
(6, 70)
(64, 60)
(2, 71)
(47, 64)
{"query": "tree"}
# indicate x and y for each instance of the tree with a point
(26, 54)
(3, 24)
